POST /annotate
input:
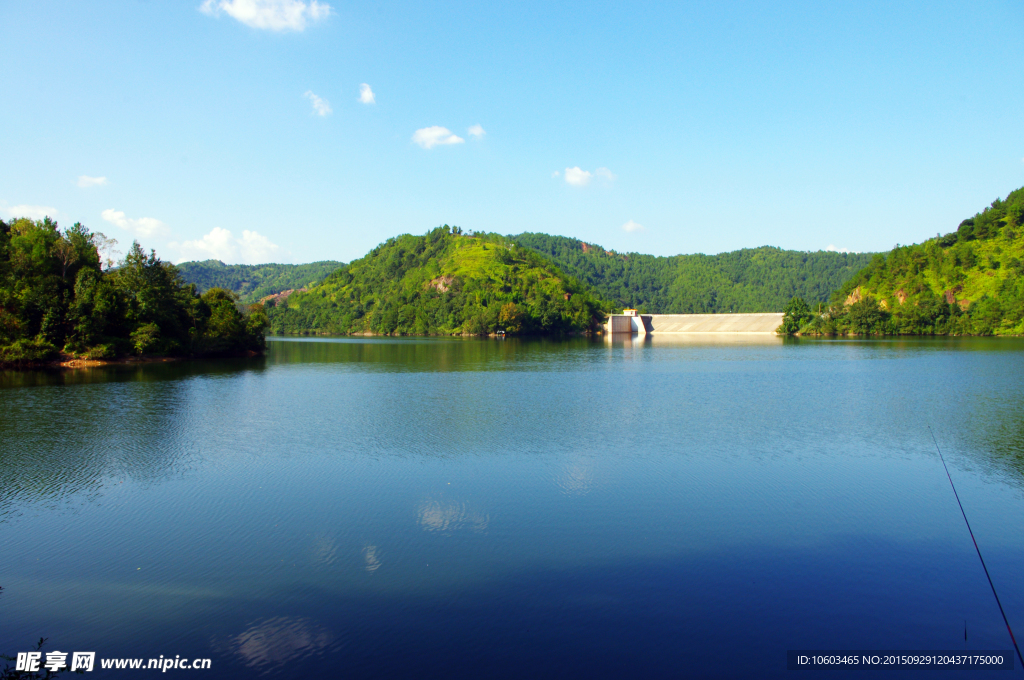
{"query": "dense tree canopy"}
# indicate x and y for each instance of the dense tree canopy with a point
(750, 280)
(440, 283)
(968, 282)
(56, 298)
(252, 282)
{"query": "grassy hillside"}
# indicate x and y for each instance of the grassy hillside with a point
(968, 282)
(750, 280)
(441, 283)
(254, 282)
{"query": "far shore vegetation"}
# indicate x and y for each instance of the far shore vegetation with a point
(255, 282)
(61, 299)
(445, 282)
(749, 280)
(967, 282)
(64, 298)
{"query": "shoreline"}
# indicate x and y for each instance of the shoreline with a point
(72, 362)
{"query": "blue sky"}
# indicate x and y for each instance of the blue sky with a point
(236, 128)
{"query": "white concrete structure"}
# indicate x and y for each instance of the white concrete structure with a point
(628, 323)
(656, 324)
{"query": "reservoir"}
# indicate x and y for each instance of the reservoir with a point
(667, 506)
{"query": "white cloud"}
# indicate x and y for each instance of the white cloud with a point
(435, 134)
(85, 181)
(274, 15)
(556, 173)
(577, 177)
(832, 249)
(477, 131)
(320, 105)
(256, 248)
(144, 226)
(581, 178)
(366, 95)
(33, 212)
(220, 244)
(632, 226)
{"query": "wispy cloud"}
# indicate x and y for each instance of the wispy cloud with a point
(144, 226)
(321, 106)
(556, 173)
(577, 177)
(273, 15)
(221, 244)
(85, 181)
(366, 95)
(477, 131)
(33, 212)
(434, 135)
(632, 226)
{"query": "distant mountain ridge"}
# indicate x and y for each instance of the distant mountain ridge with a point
(252, 282)
(750, 280)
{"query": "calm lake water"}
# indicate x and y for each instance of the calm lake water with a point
(456, 508)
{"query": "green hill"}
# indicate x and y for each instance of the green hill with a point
(252, 282)
(443, 282)
(750, 280)
(57, 301)
(968, 282)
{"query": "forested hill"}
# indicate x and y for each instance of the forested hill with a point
(254, 282)
(968, 282)
(59, 302)
(750, 280)
(443, 282)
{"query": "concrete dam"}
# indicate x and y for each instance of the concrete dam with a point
(656, 324)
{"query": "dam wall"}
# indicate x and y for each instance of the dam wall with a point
(657, 324)
(629, 323)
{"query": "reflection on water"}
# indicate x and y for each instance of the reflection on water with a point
(66, 432)
(425, 354)
(450, 516)
(400, 507)
(372, 558)
(325, 550)
(693, 339)
(277, 641)
(575, 479)
(132, 372)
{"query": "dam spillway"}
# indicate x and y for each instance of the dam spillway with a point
(656, 324)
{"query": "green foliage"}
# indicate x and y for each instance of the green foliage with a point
(750, 280)
(968, 282)
(56, 299)
(254, 282)
(145, 338)
(441, 283)
(797, 314)
(27, 350)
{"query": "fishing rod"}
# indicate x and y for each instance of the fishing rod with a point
(978, 550)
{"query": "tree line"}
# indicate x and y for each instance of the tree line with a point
(966, 282)
(253, 282)
(60, 298)
(443, 282)
(749, 280)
